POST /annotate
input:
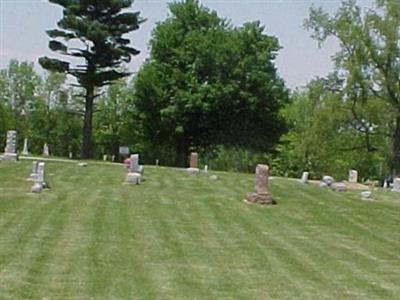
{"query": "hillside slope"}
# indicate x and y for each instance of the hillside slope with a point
(182, 237)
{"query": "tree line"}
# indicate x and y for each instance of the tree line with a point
(213, 88)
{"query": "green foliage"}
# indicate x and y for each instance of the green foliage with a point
(99, 26)
(324, 137)
(40, 109)
(368, 65)
(208, 84)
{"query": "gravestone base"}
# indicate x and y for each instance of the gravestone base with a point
(193, 171)
(37, 187)
(265, 199)
(133, 178)
(10, 157)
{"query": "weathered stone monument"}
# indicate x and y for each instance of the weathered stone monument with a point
(70, 155)
(39, 183)
(328, 180)
(25, 150)
(10, 152)
(34, 172)
(366, 195)
(260, 194)
(396, 184)
(353, 176)
(304, 177)
(339, 187)
(135, 171)
(46, 150)
(193, 160)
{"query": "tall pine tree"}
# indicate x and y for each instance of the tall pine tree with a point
(99, 26)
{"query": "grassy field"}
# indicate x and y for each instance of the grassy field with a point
(182, 237)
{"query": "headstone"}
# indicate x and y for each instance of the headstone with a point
(39, 183)
(25, 150)
(304, 177)
(353, 176)
(133, 178)
(396, 184)
(34, 172)
(70, 155)
(40, 172)
(260, 194)
(193, 160)
(10, 152)
(82, 164)
(367, 195)
(205, 169)
(134, 163)
(136, 171)
(124, 150)
(385, 184)
(113, 158)
(45, 150)
(328, 180)
(157, 162)
(339, 187)
(323, 184)
(105, 157)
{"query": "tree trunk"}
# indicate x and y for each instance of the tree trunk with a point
(395, 163)
(87, 124)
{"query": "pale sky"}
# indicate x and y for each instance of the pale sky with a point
(23, 24)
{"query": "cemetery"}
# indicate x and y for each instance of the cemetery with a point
(186, 162)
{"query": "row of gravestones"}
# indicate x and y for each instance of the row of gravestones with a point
(136, 171)
(10, 151)
(328, 181)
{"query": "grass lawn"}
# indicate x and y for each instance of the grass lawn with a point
(182, 237)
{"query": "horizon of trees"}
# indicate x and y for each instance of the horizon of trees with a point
(349, 119)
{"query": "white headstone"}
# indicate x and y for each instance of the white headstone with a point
(135, 170)
(353, 176)
(396, 184)
(105, 157)
(39, 182)
(134, 163)
(157, 162)
(113, 158)
(45, 150)
(304, 177)
(25, 150)
(70, 155)
(34, 171)
(328, 180)
(205, 168)
(367, 195)
(124, 150)
(10, 152)
(40, 172)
